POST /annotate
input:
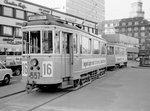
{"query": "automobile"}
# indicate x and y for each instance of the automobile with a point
(5, 74)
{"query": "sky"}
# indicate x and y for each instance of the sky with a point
(117, 9)
(114, 9)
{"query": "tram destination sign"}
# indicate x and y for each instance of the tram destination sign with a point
(37, 17)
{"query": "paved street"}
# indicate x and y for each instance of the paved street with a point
(126, 89)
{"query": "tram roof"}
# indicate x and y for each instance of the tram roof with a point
(59, 22)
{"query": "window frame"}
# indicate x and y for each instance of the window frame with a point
(3, 12)
(3, 33)
(18, 17)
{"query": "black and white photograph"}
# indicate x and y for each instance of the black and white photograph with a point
(74, 55)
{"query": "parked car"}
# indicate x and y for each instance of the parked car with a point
(5, 74)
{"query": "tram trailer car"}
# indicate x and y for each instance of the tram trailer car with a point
(55, 53)
(116, 55)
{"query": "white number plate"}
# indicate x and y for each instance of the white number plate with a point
(47, 69)
(24, 68)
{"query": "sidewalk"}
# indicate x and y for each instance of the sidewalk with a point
(16, 85)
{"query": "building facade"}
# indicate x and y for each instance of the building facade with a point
(136, 9)
(15, 12)
(137, 27)
(108, 26)
(93, 10)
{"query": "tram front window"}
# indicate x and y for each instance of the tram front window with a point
(47, 42)
(35, 46)
(25, 42)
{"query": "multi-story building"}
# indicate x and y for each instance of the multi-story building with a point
(93, 10)
(108, 26)
(135, 26)
(14, 12)
(136, 7)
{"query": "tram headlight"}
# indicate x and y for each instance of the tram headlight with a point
(34, 62)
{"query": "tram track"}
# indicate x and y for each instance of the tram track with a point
(48, 101)
(55, 98)
(12, 94)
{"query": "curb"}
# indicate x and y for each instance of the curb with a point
(140, 67)
(12, 94)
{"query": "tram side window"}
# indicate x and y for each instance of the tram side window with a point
(57, 42)
(66, 42)
(103, 48)
(96, 45)
(75, 44)
(47, 42)
(25, 42)
(116, 50)
(110, 50)
(85, 45)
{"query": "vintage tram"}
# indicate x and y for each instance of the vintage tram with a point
(56, 53)
(116, 55)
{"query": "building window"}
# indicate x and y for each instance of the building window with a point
(106, 25)
(142, 34)
(8, 11)
(135, 28)
(129, 29)
(135, 34)
(7, 30)
(142, 41)
(18, 32)
(20, 14)
(142, 28)
(129, 23)
(123, 24)
(136, 23)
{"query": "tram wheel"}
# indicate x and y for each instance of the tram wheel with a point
(76, 84)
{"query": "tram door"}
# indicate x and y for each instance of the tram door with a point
(67, 54)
